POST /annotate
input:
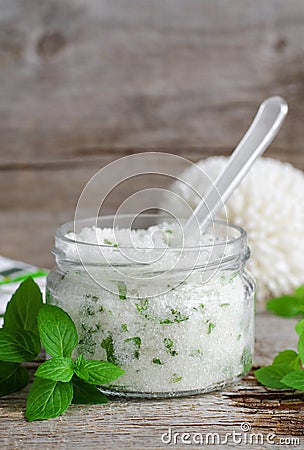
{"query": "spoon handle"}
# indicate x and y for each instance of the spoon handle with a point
(260, 134)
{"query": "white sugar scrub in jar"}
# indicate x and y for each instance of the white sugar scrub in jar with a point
(178, 320)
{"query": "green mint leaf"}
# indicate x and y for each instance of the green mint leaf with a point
(211, 327)
(176, 378)
(137, 344)
(57, 331)
(108, 345)
(13, 377)
(299, 292)
(169, 344)
(86, 394)
(56, 369)
(287, 357)
(18, 346)
(79, 362)
(124, 327)
(97, 372)
(294, 380)
(157, 361)
(286, 306)
(48, 399)
(143, 305)
(177, 317)
(271, 376)
(23, 308)
(301, 347)
(122, 290)
(296, 364)
(246, 359)
(300, 327)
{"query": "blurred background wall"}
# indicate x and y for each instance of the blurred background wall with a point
(83, 82)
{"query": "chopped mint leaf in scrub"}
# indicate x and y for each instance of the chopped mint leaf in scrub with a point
(122, 290)
(156, 361)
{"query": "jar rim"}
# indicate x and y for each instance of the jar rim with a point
(62, 230)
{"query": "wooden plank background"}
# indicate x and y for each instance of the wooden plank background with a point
(83, 82)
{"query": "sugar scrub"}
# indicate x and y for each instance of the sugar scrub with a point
(178, 322)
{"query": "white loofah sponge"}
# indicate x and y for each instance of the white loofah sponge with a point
(269, 205)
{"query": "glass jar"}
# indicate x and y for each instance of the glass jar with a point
(178, 330)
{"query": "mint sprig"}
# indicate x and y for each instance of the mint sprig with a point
(57, 331)
(85, 393)
(59, 381)
(19, 341)
(18, 345)
(56, 369)
(13, 377)
(288, 305)
(48, 399)
(23, 308)
(286, 370)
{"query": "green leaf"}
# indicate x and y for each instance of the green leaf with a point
(286, 306)
(97, 372)
(157, 361)
(48, 399)
(86, 394)
(57, 331)
(56, 369)
(176, 378)
(287, 357)
(211, 327)
(108, 345)
(271, 376)
(124, 327)
(122, 290)
(299, 292)
(246, 359)
(295, 380)
(301, 347)
(143, 305)
(296, 364)
(18, 346)
(169, 344)
(13, 377)
(177, 317)
(23, 308)
(300, 327)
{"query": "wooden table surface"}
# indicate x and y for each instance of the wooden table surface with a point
(269, 416)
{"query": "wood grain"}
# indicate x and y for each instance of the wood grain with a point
(78, 76)
(141, 423)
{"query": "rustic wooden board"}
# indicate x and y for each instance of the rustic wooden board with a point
(78, 76)
(141, 423)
